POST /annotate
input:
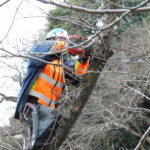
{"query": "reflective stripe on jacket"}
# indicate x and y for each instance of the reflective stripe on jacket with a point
(49, 85)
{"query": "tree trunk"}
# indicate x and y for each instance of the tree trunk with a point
(87, 87)
(102, 53)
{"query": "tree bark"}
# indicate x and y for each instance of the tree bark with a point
(78, 104)
(102, 54)
(87, 87)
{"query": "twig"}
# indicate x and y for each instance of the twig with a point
(34, 58)
(115, 4)
(12, 21)
(4, 3)
(138, 92)
(23, 56)
(142, 57)
(143, 138)
(62, 18)
(7, 98)
(127, 129)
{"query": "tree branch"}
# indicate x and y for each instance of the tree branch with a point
(12, 21)
(138, 92)
(143, 138)
(91, 11)
(4, 3)
(30, 57)
(111, 24)
(7, 98)
(127, 129)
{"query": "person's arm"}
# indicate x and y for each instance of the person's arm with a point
(80, 66)
(83, 61)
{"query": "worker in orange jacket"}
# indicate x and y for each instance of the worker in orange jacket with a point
(44, 83)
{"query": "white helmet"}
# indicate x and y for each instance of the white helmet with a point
(56, 33)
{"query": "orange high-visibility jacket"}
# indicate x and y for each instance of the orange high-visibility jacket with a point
(49, 85)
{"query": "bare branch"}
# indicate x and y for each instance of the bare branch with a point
(7, 98)
(35, 58)
(72, 20)
(143, 138)
(142, 57)
(125, 14)
(115, 4)
(4, 3)
(12, 21)
(52, 51)
(127, 129)
(138, 92)
(91, 11)
(15, 68)
(23, 56)
(115, 21)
